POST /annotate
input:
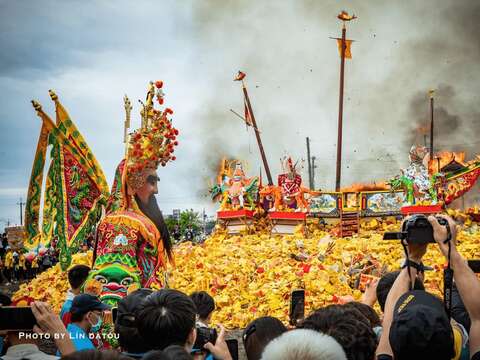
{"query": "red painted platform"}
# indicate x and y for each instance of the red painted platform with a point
(420, 209)
(232, 214)
(285, 215)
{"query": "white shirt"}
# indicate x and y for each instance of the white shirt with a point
(26, 351)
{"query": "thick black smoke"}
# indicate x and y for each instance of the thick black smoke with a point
(402, 50)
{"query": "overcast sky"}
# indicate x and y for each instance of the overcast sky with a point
(93, 52)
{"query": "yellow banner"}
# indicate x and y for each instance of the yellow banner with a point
(348, 51)
(65, 123)
(32, 207)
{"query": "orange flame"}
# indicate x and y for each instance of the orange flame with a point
(443, 158)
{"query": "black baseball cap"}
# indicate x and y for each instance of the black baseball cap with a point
(84, 303)
(421, 328)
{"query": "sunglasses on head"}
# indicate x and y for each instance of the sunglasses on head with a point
(249, 331)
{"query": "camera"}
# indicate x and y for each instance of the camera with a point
(204, 335)
(415, 230)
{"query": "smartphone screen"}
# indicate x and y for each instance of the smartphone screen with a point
(16, 318)
(297, 306)
(233, 348)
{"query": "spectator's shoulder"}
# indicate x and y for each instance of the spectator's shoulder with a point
(42, 356)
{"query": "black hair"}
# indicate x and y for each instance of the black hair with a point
(95, 355)
(77, 316)
(177, 352)
(259, 333)
(5, 300)
(367, 311)
(157, 355)
(77, 275)
(205, 303)
(385, 284)
(166, 317)
(125, 323)
(348, 326)
(152, 211)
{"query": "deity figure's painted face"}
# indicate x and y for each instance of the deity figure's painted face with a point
(149, 188)
(115, 280)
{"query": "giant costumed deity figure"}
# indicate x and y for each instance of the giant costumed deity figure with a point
(133, 244)
(235, 189)
(415, 179)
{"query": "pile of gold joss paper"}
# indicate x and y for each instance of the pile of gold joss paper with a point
(253, 275)
(52, 285)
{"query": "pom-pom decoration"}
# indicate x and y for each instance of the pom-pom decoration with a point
(153, 144)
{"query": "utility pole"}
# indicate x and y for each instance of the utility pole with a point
(240, 77)
(343, 43)
(313, 172)
(431, 93)
(310, 181)
(21, 210)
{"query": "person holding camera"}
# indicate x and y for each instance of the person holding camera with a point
(205, 305)
(168, 317)
(466, 281)
(415, 323)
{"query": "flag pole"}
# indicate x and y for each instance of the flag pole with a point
(431, 93)
(344, 17)
(340, 112)
(310, 182)
(257, 133)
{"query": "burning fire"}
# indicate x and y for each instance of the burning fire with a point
(443, 158)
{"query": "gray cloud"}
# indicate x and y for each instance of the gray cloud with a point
(92, 53)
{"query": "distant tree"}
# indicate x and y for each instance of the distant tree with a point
(190, 219)
(171, 222)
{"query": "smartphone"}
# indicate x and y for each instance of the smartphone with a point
(16, 318)
(297, 306)
(233, 348)
(474, 265)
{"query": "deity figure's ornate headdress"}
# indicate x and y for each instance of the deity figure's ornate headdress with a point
(289, 167)
(153, 143)
(417, 153)
(238, 170)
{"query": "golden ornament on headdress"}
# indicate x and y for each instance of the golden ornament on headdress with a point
(153, 143)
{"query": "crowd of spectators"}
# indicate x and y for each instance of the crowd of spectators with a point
(15, 266)
(167, 324)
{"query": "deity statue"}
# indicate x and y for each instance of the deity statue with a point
(418, 185)
(289, 194)
(133, 243)
(235, 189)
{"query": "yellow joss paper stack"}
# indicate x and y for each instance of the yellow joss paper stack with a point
(52, 285)
(253, 275)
